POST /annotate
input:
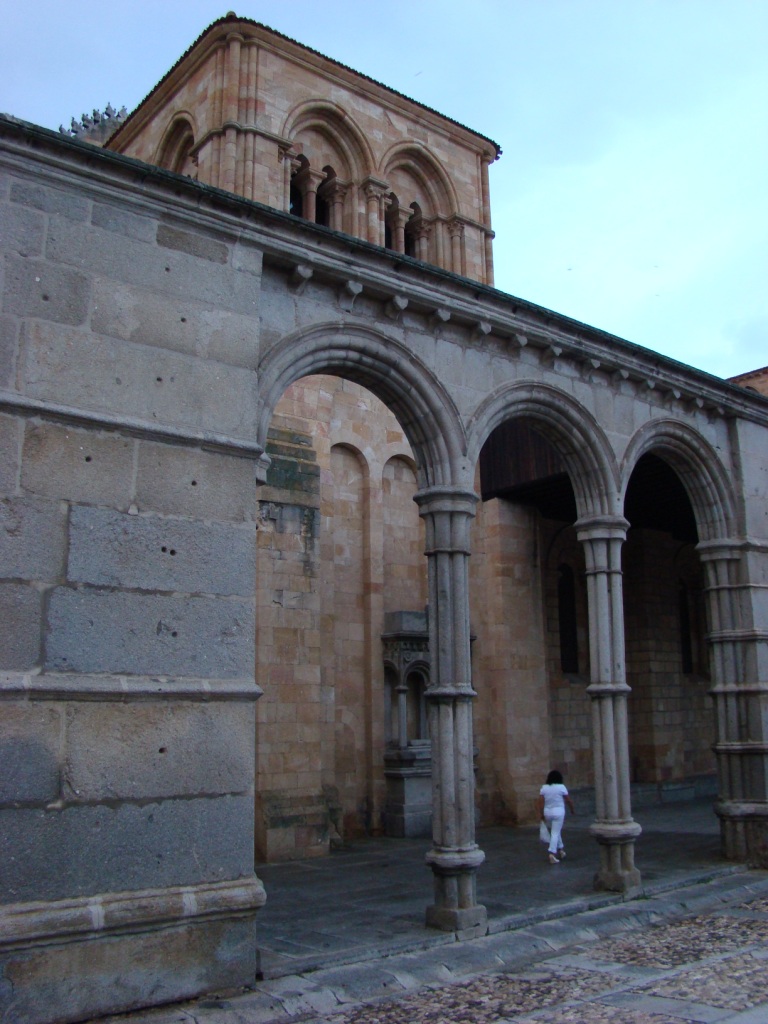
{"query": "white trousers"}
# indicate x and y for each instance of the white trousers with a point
(554, 823)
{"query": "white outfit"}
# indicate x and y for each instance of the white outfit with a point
(554, 813)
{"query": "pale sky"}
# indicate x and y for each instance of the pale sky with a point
(632, 193)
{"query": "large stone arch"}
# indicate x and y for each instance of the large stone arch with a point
(330, 120)
(422, 406)
(569, 427)
(175, 150)
(699, 467)
(422, 165)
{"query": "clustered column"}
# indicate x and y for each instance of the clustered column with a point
(740, 693)
(454, 857)
(614, 829)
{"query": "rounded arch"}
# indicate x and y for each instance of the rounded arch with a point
(335, 124)
(417, 161)
(698, 465)
(424, 409)
(175, 150)
(569, 427)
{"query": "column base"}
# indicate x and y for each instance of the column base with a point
(466, 923)
(617, 871)
(627, 882)
(744, 831)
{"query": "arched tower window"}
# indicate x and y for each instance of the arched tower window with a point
(176, 149)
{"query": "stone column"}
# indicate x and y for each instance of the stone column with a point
(736, 571)
(422, 233)
(286, 157)
(400, 218)
(334, 193)
(614, 829)
(455, 856)
(375, 191)
(456, 231)
(309, 181)
(485, 161)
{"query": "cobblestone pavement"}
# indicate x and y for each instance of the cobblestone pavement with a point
(600, 968)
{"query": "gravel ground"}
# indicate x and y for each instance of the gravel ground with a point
(705, 969)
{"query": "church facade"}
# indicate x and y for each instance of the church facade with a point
(310, 533)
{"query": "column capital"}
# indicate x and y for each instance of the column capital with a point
(601, 527)
(335, 189)
(456, 228)
(310, 179)
(374, 187)
(446, 499)
(725, 549)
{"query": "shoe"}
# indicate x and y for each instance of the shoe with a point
(553, 859)
(561, 854)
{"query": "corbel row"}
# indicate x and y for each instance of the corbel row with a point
(550, 351)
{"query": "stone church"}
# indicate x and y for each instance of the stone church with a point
(309, 533)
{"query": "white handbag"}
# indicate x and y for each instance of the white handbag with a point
(543, 832)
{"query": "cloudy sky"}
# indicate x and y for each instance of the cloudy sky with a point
(632, 193)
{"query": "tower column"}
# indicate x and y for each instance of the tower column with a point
(454, 856)
(738, 641)
(614, 829)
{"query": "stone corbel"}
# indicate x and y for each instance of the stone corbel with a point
(394, 308)
(521, 340)
(438, 319)
(481, 330)
(300, 277)
(348, 293)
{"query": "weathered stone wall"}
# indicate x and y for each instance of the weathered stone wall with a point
(127, 566)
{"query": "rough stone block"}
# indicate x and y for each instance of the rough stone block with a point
(156, 268)
(122, 972)
(142, 634)
(46, 291)
(123, 222)
(32, 535)
(21, 230)
(30, 740)
(9, 333)
(112, 549)
(79, 465)
(10, 428)
(194, 244)
(82, 850)
(149, 750)
(50, 200)
(20, 628)
(181, 325)
(89, 371)
(202, 485)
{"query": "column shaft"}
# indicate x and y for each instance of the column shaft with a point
(455, 856)
(614, 829)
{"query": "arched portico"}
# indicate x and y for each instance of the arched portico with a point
(593, 473)
(734, 636)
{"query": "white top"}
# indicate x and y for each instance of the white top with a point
(553, 798)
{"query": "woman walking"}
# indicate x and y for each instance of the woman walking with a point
(552, 802)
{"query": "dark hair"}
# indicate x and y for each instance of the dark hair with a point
(554, 777)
